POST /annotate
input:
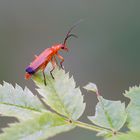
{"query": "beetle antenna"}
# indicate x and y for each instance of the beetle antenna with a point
(69, 31)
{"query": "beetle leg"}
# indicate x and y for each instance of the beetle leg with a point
(44, 77)
(62, 60)
(55, 60)
(36, 56)
(43, 69)
(53, 65)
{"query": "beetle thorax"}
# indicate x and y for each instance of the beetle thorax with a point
(56, 47)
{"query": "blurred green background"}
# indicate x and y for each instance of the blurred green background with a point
(106, 52)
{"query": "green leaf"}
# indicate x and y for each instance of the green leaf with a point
(18, 102)
(133, 108)
(91, 87)
(133, 119)
(127, 136)
(60, 93)
(109, 114)
(134, 95)
(39, 128)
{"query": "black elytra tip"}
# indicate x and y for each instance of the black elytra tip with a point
(30, 70)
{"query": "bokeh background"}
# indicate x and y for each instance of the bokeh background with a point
(107, 51)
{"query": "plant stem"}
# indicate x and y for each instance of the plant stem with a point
(94, 128)
(90, 127)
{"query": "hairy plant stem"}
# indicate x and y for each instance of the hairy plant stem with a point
(90, 127)
(95, 128)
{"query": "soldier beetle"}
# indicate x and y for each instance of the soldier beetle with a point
(49, 55)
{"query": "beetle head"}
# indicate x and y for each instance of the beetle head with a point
(64, 47)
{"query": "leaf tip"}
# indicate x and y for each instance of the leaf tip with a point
(91, 87)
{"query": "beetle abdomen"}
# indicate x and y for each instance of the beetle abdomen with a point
(30, 70)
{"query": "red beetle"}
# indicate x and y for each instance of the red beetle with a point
(48, 55)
